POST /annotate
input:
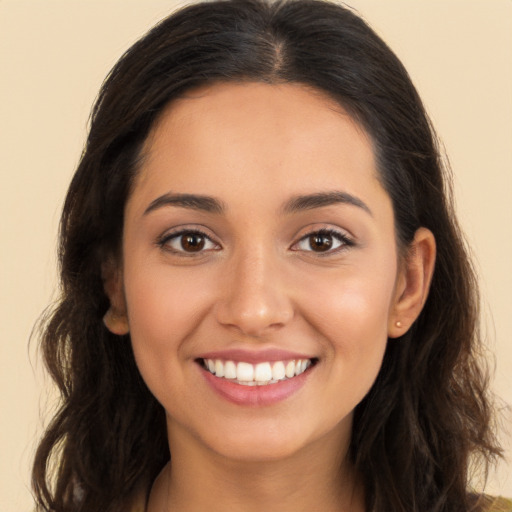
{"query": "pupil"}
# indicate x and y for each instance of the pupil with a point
(321, 242)
(192, 242)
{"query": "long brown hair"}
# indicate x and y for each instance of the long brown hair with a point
(428, 412)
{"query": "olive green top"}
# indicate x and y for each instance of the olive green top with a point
(501, 505)
(495, 504)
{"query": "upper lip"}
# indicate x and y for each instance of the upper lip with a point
(254, 356)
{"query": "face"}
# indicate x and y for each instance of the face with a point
(260, 271)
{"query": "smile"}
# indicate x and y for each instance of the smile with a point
(260, 374)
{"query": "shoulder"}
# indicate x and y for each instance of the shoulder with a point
(490, 504)
(501, 505)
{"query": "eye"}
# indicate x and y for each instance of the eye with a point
(187, 241)
(323, 241)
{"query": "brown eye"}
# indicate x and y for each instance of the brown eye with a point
(323, 241)
(192, 242)
(320, 242)
(188, 242)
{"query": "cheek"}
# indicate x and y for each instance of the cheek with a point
(355, 323)
(164, 310)
(162, 302)
(350, 314)
(356, 341)
(351, 304)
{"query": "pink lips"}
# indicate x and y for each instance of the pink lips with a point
(263, 395)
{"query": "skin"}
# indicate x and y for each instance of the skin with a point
(259, 283)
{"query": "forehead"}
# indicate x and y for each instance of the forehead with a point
(250, 138)
(280, 107)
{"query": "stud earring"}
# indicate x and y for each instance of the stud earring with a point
(398, 323)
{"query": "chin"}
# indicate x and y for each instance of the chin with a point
(272, 440)
(258, 449)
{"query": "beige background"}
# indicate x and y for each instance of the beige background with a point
(53, 57)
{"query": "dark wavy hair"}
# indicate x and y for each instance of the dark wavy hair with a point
(428, 413)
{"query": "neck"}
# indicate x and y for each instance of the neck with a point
(317, 478)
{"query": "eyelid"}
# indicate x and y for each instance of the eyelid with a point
(342, 236)
(346, 240)
(163, 240)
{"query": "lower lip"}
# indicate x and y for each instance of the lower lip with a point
(256, 395)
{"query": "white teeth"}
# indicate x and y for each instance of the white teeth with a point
(290, 369)
(229, 370)
(219, 368)
(259, 374)
(278, 371)
(244, 371)
(262, 372)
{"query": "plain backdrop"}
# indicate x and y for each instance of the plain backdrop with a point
(53, 58)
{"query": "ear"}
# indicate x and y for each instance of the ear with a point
(115, 319)
(413, 283)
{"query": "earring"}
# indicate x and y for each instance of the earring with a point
(398, 323)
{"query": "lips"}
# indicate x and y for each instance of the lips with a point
(255, 378)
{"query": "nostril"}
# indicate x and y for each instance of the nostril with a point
(254, 318)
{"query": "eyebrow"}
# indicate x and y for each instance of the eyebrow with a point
(190, 201)
(296, 204)
(321, 199)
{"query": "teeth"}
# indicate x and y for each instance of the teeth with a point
(259, 374)
(262, 372)
(290, 369)
(278, 371)
(229, 370)
(244, 371)
(219, 368)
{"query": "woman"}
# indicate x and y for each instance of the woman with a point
(267, 303)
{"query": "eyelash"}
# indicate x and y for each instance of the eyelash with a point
(164, 241)
(344, 241)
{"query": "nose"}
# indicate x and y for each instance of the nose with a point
(254, 298)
